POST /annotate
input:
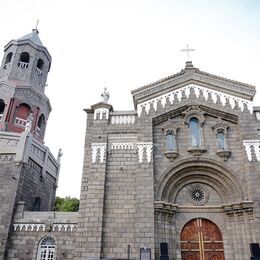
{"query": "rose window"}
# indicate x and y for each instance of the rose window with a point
(197, 194)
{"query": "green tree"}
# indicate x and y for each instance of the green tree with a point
(66, 204)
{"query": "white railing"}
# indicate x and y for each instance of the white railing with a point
(38, 71)
(20, 122)
(23, 65)
(1, 117)
(38, 130)
(122, 119)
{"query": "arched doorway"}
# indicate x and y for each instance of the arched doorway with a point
(201, 239)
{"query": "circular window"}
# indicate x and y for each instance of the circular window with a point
(197, 194)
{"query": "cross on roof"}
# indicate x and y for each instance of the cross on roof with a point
(188, 50)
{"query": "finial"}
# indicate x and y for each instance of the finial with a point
(105, 96)
(28, 124)
(188, 50)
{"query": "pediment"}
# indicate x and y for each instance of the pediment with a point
(173, 87)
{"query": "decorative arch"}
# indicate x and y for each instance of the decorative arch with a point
(23, 110)
(22, 113)
(207, 171)
(46, 249)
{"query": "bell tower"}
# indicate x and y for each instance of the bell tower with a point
(28, 170)
(23, 75)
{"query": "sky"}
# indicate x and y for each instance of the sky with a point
(125, 44)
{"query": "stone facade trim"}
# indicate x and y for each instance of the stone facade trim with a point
(178, 93)
(122, 146)
(252, 146)
(145, 147)
(98, 149)
(44, 227)
(123, 120)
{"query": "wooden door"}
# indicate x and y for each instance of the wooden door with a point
(201, 239)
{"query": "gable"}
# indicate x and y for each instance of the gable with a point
(211, 87)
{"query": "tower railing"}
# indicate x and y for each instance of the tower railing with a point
(20, 122)
(38, 71)
(23, 65)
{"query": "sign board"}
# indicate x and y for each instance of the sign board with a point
(145, 253)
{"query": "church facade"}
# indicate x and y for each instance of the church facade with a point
(176, 178)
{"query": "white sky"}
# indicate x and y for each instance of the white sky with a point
(124, 44)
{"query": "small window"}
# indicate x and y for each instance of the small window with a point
(8, 57)
(46, 250)
(221, 140)
(37, 204)
(170, 141)
(40, 64)
(195, 132)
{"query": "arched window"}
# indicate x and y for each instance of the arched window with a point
(40, 125)
(2, 108)
(8, 57)
(37, 204)
(24, 60)
(221, 140)
(195, 138)
(40, 64)
(46, 250)
(170, 141)
(39, 68)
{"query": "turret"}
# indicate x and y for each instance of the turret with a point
(23, 76)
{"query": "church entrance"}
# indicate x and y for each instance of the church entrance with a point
(201, 239)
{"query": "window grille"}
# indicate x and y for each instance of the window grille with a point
(46, 249)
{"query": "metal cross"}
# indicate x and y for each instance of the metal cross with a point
(188, 50)
(37, 24)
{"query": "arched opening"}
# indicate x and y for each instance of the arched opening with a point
(22, 113)
(195, 138)
(201, 239)
(2, 108)
(46, 250)
(40, 125)
(40, 64)
(24, 60)
(8, 57)
(36, 204)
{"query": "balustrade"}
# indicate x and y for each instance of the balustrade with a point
(20, 122)
(38, 71)
(23, 65)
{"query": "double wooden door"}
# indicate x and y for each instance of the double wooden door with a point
(201, 239)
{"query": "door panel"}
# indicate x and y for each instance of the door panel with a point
(201, 239)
